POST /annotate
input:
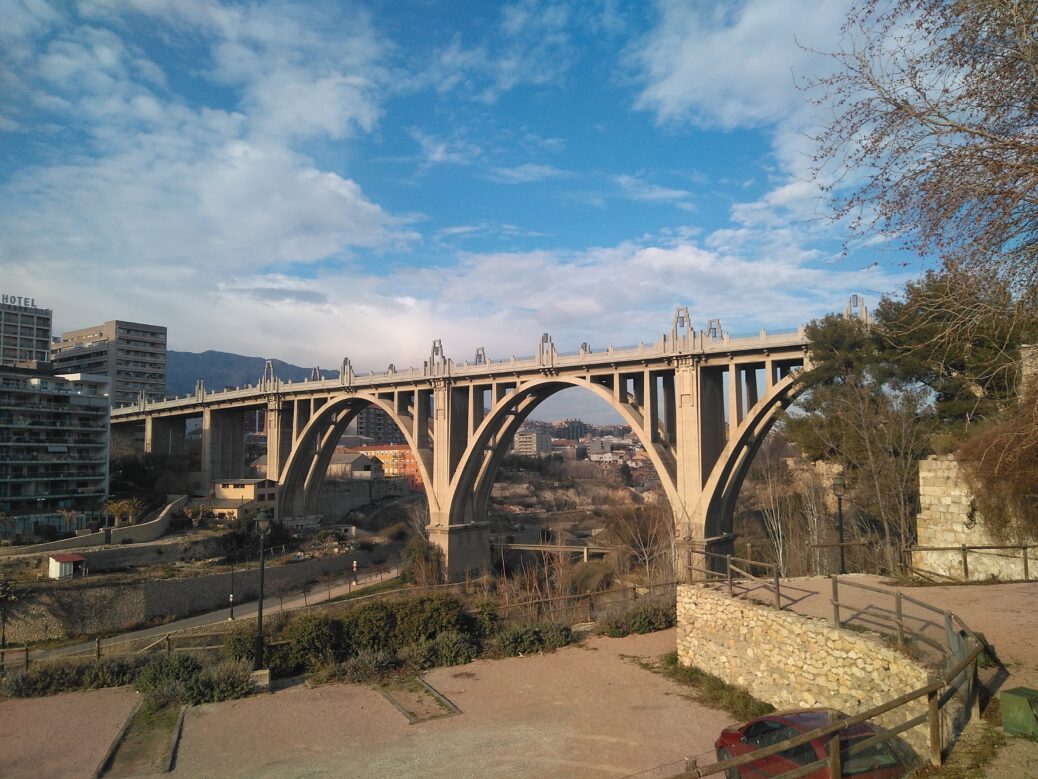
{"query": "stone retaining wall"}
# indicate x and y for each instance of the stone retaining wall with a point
(792, 661)
(947, 518)
(61, 609)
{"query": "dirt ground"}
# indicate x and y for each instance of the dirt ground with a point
(580, 712)
(62, 735)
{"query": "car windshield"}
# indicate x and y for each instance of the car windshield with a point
(857, 759)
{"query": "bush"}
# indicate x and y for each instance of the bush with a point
(520, 640)
(371, 628)
(425, 618)
(555, 636)
(50, 678)
(645, 617)
(240, 644)
(367, 665)
(418, 656)
(181, 679)
(652, 617)
(487, 619)
(315, 640)
(453, 648)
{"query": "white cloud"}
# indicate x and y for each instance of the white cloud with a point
(637, 189)
(732, 64)
(444, 151)
(527, 173)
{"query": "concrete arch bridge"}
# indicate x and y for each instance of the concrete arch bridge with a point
(700, 402)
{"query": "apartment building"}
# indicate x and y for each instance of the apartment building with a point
(532, 443)
(53, 441)
(25, 330)
(131, 354)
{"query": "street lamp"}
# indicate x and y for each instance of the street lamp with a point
(263, 522)
(839, 489)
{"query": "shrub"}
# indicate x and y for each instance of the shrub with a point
(315, 640)
(644, 617)
(651, 617)
(240, 644)
(418, 656)
(520, 640)
(168, 680)
(367, 665)
(486, 619)
(371, 627)
(224, 681)
(427, 617)
(453, 648)
(555, 636)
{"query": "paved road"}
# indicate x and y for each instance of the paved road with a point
(247, 610)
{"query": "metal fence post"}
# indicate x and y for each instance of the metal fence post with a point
(836, 601)
(778, 597)
(900, 618)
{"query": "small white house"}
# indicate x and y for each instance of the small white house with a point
(65, 566)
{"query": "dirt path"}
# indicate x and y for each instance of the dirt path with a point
(584, 711)
(60, 735)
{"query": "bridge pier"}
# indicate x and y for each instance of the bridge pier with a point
(465, 548)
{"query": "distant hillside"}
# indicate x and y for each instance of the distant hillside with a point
(223, 369)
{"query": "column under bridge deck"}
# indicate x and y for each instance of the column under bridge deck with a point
(700, 402)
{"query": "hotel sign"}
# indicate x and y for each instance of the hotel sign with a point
(18, 300)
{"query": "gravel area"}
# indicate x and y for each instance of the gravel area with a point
(583, 711)
(60, 735)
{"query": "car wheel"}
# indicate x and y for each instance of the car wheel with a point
(731, 773)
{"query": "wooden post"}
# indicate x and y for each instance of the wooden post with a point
(778, 597)
(1026, 574)
(836, 601)
(900, 619)
(975, 688)
(965, 565)
(728, 564)
(97, 647)
(835, 768)
(26, 658)
(934, 717)
(169, 646)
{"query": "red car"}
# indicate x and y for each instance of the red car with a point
(882, 760)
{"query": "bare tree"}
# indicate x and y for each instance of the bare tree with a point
(6, 522)
(933, 140)
(7, 601)
(645, 536)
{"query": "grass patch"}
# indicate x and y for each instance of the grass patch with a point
(710, 691)
(976, 748)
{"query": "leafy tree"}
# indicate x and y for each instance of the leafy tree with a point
(859, 415)
(971, 377)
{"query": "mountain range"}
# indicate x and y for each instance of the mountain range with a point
(223, 369)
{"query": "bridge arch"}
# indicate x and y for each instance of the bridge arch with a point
(470, 486)
(301, 479)
(716, 505)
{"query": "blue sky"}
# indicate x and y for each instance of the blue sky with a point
(317, 180)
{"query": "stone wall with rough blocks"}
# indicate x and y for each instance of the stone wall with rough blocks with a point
(947, 518)
(338, 497)
(62, 609)
(792, 661)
